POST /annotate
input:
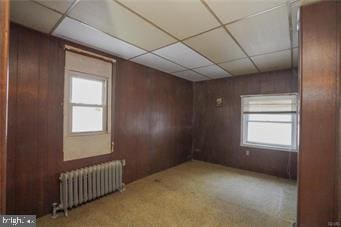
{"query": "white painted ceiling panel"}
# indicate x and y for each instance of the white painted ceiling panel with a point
(295, 7)
(212, 71)
(190, 75)
(114, 19)
(273, 61)
(183, 55)
(231, 10)
(217, 45)
(129, 28)
(239, 67)
(59, 5)
(263, 33)
(80, 33)
(156, 62)
(33, 15)
(178, 17)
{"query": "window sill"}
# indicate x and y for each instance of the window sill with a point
(80, 134)
(248, 145)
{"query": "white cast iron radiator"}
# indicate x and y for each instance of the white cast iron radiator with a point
(86, 184)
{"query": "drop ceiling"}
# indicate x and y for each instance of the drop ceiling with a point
(194, 39)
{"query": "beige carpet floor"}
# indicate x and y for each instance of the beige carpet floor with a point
(192, 194)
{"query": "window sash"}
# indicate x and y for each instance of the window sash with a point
(104, 104)
(85, 76)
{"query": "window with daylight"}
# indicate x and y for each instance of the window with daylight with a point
(88, 103)
(88, 98)
(269, 121)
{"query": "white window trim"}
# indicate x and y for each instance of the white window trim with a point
(243, 131)
(87, 76)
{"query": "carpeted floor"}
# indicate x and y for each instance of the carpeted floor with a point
(192, 194)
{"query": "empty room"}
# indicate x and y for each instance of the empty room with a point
(170, 113)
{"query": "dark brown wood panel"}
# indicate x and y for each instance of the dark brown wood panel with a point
(171, 107)
(338, 188)
(216, 131)
(151, 130)
(319, 114)
(4, 42)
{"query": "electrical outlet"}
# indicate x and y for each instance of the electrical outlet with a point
(247, 152)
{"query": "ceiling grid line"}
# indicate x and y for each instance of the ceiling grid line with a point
(220, 26)
(229, 33)
(206, 58)
(174, 37)
(45, 6)
(74, 3)
(115, 37)
(253, 15)
(271, 52)
(146, 51)
(232, 22)
(187, 69)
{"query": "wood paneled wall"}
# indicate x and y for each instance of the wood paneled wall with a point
(319, 84)
(4, 33)
(338, 189)
(216, 130)
(152, 126)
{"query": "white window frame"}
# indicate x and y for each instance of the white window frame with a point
(86, 76)
(294, 128)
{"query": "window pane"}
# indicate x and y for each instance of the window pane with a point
(270, 117)
(269, 133)
(87, 119)
(87, 91)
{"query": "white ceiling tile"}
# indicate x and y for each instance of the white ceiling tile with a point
(263, 33)
(231, 10)
(112, 18)
(295, 57)
(84, 34)
(273, 61)
(212, 71)
(180, 18)
(59, 5)
(156, 62)
(33, 15)
(294, 10)
(183, 55)
(239, 67)
(217, 45)
(190, 75)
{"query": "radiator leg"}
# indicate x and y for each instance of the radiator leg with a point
(55, 209)
(122, 187)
